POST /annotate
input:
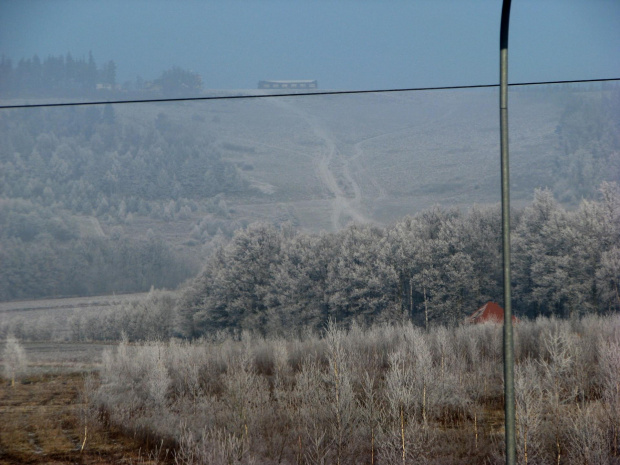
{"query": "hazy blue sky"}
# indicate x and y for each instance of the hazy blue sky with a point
(345, 44)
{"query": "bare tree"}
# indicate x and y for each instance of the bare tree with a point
(341, 396)
(587, 443)
(529, 412)
(312, 400)
(557, 380)
(609, 373)
(404, 440)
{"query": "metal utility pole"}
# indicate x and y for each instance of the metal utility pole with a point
(509, 388)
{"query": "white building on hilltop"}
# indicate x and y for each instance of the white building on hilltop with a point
(299, 84)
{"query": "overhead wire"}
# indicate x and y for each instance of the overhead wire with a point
(292, 94)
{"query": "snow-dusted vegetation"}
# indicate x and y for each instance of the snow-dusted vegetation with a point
(432, 269)
(436, 267)
(386, 394)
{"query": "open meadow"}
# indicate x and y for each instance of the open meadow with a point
(58, 320)
(328, 161)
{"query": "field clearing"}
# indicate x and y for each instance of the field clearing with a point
(45, 416)
(68, 302)
(45, 420)
(54, 319)
(48, 358)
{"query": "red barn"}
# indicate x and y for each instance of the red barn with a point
(489, 312)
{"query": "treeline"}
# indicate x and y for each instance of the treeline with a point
(46, 251)
(135, 317)
(55, 76)
(436, 267)
(66, 76)
(88, 266)
(384, 395)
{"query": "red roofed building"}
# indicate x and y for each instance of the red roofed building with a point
(489, 312)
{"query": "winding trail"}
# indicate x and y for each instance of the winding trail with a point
(340, 174)
(344, 209)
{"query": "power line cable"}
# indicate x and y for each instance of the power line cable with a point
(292, 94)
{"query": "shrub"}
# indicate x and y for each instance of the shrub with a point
(15, 361)
(385, 394)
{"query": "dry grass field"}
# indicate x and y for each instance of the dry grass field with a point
(45, 421)
(44, 417)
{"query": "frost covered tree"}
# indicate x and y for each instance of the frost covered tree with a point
(297, 295)
(529, 412)
(361, 282)
(563, 260)
(437, 279)
(608, 279)
(231, 291)
(341, 396)
(15, 361)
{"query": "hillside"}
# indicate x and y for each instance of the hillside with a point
(179, 179)
(325, 161)
(374, 158)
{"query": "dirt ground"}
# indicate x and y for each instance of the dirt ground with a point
(43, 421)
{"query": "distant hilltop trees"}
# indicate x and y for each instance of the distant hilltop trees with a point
(55, 76)
(66, 76)
(177, 81)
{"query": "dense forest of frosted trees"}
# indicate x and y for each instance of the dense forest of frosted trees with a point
(87, 161)
(436, 267)
(56, 167)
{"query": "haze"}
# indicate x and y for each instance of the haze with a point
(290, 279)
(343, 44)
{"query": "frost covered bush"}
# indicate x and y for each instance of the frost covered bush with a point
(14, 359)
(382, 395)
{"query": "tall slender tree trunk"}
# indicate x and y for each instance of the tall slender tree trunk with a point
(402, 433)
(410, 297)
(425, 309)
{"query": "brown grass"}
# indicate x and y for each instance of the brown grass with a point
(42, 420)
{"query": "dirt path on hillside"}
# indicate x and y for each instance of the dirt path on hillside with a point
(345, 207)
(342, 168)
